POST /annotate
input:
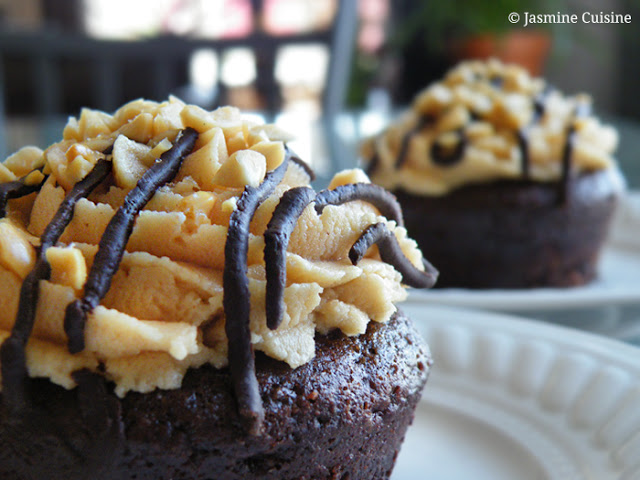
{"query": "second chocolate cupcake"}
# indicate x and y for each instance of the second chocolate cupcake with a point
(517, 182)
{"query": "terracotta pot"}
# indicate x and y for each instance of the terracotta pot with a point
(529, 48)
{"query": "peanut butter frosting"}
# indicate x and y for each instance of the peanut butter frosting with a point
(488, 121)
(140, 244)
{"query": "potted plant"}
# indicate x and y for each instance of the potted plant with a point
(481, 29)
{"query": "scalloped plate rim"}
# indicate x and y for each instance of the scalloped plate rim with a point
(460, 393)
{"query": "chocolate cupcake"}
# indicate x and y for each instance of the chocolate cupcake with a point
(178, 303)
(504, 181)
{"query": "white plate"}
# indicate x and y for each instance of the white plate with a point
(618, 283)
(515, 399)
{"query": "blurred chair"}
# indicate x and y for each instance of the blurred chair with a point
(110, 65)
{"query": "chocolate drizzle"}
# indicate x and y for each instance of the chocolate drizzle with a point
(372, 166)
(445, 156)
(276, 241)
(391, 253)
(486, 108)
(283, 222)
(12, 352)
(522, 135)
(113, 242)
(15, 189)
(424, 121)
(540, 103)
(377, 196)
(237, 302)
(582, 109)
(496, 81)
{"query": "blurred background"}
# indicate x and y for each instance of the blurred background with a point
(330, 71)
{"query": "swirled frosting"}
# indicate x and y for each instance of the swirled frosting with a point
(164, 309)
(488, 121)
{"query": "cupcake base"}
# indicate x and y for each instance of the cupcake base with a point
(515, 234)
(341, 416)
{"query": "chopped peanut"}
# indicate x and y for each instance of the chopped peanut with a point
(245, 167)
(16, 253)
(67, 266)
